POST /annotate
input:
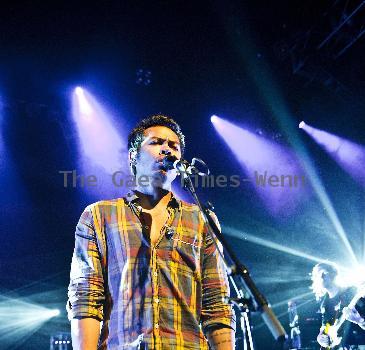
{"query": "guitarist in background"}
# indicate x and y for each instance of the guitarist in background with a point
(334, 301)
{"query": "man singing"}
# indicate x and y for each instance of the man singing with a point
(145, 273)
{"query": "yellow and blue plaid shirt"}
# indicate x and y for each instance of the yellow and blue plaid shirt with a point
(166, 295)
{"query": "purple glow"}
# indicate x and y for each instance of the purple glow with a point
(349, 155)
(2, 156)
(100, 142)
(272, 169)
(83, 104)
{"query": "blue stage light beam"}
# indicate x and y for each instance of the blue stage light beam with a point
(2, 155)
(285, 313)
(296, 297)
(269, 244)
(270, 92)
(23, 318)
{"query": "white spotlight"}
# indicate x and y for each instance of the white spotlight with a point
(83, 102)
(52, 313)
(213, 118)
(79, 91)
(302, 125)
(56, 312)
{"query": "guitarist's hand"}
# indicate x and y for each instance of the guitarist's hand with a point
(323, 339)
(352, 315)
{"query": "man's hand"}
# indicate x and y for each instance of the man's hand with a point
(323, 339)
(352, 315)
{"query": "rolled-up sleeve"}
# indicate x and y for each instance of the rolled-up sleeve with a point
(86, 289)
(215, 310)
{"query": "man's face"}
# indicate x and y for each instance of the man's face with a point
(326, 278)
(159, 141)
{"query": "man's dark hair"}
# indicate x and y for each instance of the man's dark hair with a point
(136, 136)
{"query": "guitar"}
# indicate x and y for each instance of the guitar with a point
(332, 330)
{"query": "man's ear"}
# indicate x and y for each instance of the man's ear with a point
(132, 157)
(132, 161)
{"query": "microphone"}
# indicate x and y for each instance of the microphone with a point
(171, 162)
(183, 166)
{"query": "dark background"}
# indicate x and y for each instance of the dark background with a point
(205, 57)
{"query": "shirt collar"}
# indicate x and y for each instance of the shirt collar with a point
(132, 197)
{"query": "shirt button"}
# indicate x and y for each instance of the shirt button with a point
(157, 300)
(169, 233)
(155, 273)
(156, 325)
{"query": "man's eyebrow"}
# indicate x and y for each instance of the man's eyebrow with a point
(162, 139)
(176, 142)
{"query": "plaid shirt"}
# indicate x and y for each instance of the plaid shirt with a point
(166, 295)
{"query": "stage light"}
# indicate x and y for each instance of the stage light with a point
(84, 107)
(103, 148)
(101, 143)
(269, 244)
(54, 313)
(23, 318)
(331, 143)
(261, 156)
(78, 90)
(285, 313)
(349, 155)
(279, 109)
(1, 135)
(213, 118)
(351, 276)
(302, 125)
(272, 169)
(296, 297)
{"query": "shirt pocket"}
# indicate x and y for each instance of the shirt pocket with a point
(186, 253)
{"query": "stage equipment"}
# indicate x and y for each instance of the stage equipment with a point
(60, 341)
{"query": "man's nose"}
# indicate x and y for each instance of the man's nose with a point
(165, 152)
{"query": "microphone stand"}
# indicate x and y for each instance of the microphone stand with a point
(238, 274)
